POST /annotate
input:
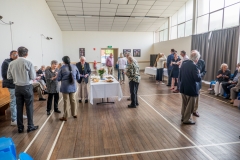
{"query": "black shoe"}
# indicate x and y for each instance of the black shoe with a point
(45, 92)
(48, 113)
(86, 101)
(189, 123)
(168, 85)
(129, 99)
(32, 128)
(80, 101)
(137, 104)
(57, 111)
(42, 99)
(20, 130)
(130, 106)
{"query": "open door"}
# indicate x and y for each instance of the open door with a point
(105, 52)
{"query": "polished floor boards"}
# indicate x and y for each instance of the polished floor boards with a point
(153, 131)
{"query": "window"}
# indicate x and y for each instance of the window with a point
(174, 32)
(181, 15)
(189, 10)
(216, 5)
(203, 7)
(181, 30)
(188, 28)
(216, 20)
(231, 16)
(165, 35)
(230, 2)
(202, 24)
(161, 36)
(174, 19)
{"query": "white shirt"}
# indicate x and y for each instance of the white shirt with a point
(183, 59)
(122, 62)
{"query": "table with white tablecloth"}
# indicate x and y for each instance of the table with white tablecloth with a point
(103, 89)
(153, 71)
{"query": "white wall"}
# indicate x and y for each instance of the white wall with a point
(177, 44)
(31, 19)
(73, 40)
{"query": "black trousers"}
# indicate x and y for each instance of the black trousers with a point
(159, 74)
(49, 101)
(24, 95)
(133, 90)
(227, 86)
(169, 76)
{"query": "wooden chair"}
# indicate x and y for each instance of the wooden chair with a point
(4, 99)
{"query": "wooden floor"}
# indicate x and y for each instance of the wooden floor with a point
(153, 131)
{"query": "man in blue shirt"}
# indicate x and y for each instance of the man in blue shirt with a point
(169, 67)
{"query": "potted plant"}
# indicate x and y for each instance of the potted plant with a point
(101, 71)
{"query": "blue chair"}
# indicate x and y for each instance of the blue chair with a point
(25, 156)
(7, 155)
(7, 145)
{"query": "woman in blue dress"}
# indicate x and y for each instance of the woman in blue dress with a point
(175, 71)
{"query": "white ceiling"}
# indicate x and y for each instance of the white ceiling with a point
(100, 8)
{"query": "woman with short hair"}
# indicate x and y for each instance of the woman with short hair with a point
(134, 79)
(223, 75)
(161, 59)
(52, 87)
(68, 74)
(175, 69)
(122, 62)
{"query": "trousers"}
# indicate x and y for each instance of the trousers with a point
(24, 95)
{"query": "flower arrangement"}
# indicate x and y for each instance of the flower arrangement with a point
(101, 71)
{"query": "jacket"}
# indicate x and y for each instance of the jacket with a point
(63, 76)
(189, 78)
(133, 72)
(41, 72)
(169, 60)
(238, 84)
(87, 70)
(6, 83)
(52, 85)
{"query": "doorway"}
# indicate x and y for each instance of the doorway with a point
(105, 52)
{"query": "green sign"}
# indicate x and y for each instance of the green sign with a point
(109, 46)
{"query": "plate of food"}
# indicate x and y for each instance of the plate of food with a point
(95, 79)
(109, 80)
(108, 77)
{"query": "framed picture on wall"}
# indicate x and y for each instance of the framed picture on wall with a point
(136, 52)
(81, 52)
(125, 51)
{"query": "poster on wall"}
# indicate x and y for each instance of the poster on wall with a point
(125, 51)
(81, 52)
(136, 52)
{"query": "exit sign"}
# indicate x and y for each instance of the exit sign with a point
(109, 46)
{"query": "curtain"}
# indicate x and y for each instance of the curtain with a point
(223, 48)
(217, 47)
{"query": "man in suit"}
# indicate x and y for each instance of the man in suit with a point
(169, 67)
(85, 71)
(41, 72)
(189, 86)
(201, 66)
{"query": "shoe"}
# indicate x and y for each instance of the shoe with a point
(20, 130)
(189, 123)
(45, 92)
(172, 88)
(80, 101)
(74, 116)
(14, 123)
(137, 104)
(168, 85)
(176, 91)
(162, 83)
(231, 102)
(24, 117)
(181, 120)
(48, 113)
(86, 101)
(196, 114)
(63, 119)
(32, 129)
(227, 97)
(130, 106)
(57, 111)
(42, 99)
(129, 99)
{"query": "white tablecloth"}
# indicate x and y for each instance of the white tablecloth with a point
(104, 89)
(151, 71)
